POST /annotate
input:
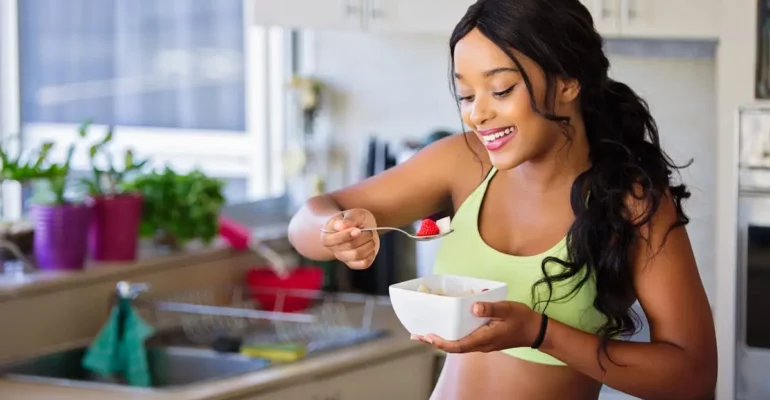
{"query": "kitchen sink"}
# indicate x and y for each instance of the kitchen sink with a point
(174, 362)
(170, 367)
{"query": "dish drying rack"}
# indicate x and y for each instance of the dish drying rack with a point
(206, 315)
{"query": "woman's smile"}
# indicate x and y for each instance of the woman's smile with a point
(495, 139)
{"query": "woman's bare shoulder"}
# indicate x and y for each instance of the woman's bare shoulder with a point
(468, 154)
(430, 181)
(470, 165)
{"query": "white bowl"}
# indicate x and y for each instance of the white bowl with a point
(449, 316)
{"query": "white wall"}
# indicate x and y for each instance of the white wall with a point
(392, 86)
(681, 95)
(736, 57)
(395, 87)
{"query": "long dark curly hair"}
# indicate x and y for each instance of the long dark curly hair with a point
(624, 148)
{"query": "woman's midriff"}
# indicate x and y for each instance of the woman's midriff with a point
(493, 376)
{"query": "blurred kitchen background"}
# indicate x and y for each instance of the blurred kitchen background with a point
(281, 100)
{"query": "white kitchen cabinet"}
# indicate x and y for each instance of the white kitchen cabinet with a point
(655, 19)
(409, 377)
(311, 14)
(606, 16)
(673, 19)
(405, 378)
(663, 19)
(428, 16)
(302, 391)
(424, 16)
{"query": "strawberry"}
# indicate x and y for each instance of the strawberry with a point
(428, 228)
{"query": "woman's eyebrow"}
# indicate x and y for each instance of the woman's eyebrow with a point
(491, 72)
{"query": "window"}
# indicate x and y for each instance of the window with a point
(189, 83)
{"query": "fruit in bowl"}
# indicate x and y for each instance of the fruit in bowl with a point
(442, 304)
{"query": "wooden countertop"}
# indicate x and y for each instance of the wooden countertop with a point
(397, 343)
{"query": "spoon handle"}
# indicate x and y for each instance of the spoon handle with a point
(378, 228)
(386, 228)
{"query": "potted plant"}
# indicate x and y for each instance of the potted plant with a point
(23, 169)
(114, 231)
(179, 208)
(61, 225)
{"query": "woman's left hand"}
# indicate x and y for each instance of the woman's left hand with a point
(512, 325)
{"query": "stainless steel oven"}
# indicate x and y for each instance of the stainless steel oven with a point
(753, 291)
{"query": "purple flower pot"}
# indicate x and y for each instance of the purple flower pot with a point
(114, 231)
(61, 235)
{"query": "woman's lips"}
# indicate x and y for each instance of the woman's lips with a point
(494, 139)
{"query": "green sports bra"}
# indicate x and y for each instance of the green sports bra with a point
(465, 253)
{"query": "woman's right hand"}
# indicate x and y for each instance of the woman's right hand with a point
(356, 248)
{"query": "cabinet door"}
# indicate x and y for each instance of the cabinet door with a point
(314, 14)
(606, 16)
(671, 19)
(302, 391)
(424, 16)
(406, 378)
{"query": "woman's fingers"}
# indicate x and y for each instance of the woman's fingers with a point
(337, 238)
(359, 253)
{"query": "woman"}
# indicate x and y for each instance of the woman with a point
(560, 189)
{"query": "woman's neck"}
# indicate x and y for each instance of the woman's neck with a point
(556, 169)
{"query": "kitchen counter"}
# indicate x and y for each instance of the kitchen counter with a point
(149, 259)
(396, 344)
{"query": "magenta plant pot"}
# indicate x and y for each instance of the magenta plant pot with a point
(61, 235)
(114, 231)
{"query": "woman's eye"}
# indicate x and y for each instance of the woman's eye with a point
(464, 98)
(505, 92)
(461, 98)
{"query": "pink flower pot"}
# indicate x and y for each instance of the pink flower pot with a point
(114, 231)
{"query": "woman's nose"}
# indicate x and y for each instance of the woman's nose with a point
(481, 112)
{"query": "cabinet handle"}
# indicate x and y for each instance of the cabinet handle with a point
(604, 11)
(375, 12)
(627, 11)
(350, 8)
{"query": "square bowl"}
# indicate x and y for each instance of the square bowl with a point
(448, 315)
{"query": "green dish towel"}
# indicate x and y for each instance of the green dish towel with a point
(119, 347)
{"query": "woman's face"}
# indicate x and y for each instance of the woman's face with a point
(495, 102)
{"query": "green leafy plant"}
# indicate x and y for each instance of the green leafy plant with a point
(179, 207)
(25, 168)
(54, 186)
(108, 180)
(53, 189)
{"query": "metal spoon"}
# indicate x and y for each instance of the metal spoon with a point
(385, 228)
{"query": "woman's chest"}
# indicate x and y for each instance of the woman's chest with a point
(524, 224)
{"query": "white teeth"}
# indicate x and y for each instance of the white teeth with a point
(498, 135)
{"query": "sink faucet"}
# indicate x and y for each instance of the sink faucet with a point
(127, 290)
(18, 268)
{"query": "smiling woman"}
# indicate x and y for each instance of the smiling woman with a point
(561, 190)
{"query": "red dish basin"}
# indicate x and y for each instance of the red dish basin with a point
(302, 277)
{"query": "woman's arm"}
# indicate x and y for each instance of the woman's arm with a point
(396, 197)
(680, 362)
